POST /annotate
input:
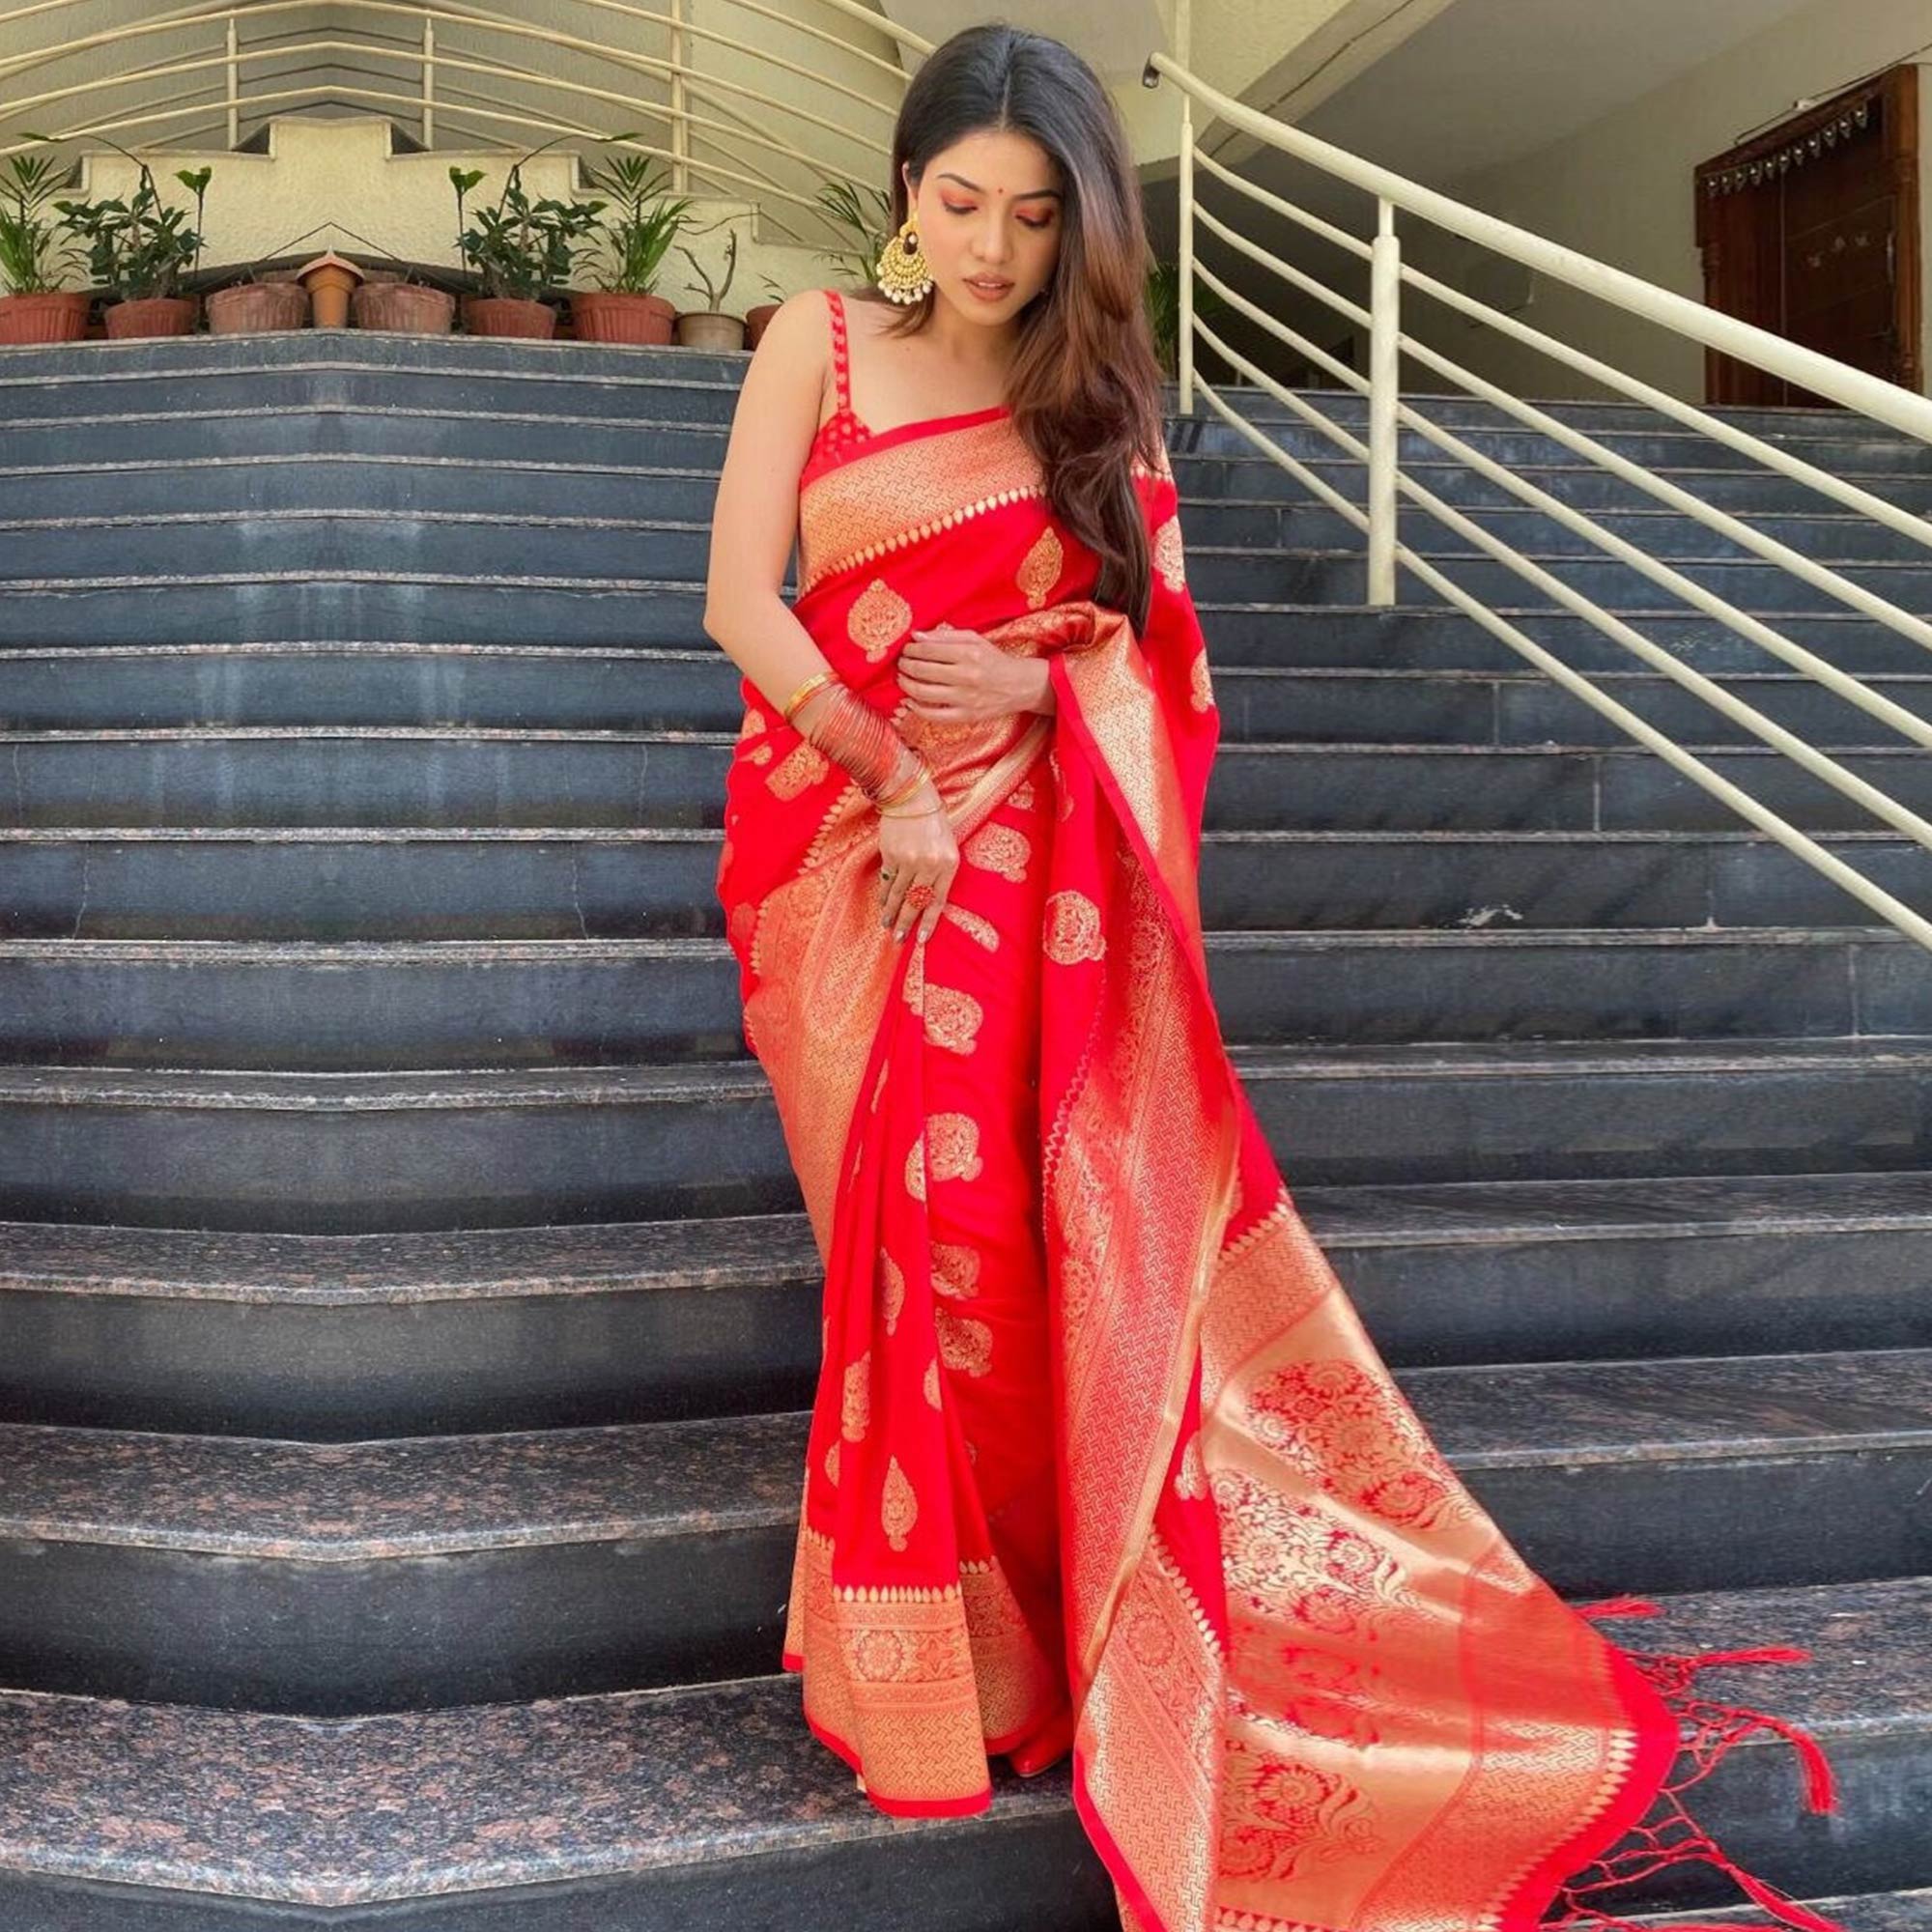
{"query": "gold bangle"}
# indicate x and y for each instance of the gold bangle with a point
(905, 790)
(924, 812)
(805, 691)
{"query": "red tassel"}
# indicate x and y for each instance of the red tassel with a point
(1709, 1729)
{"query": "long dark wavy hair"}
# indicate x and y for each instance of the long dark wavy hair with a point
(1085, 385)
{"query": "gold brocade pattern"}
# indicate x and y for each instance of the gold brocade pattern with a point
(1004, 849)
(1168, 558)
(964, 1344)
(926, 1682)
(955, 1269)
(879, 618)
(1072, 929)
(1200, 686)
(802, 767)
(1041, 568)
(952, 1146)
(892, 1291)
(982, 930)
(855, 512)
(1148, 1735)
(899, 1505)
(951, 1018)
(856, 1414)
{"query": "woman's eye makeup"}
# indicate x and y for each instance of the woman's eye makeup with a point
(1047, 221)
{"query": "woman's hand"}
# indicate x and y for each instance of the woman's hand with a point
(954, 676)
(916, 849)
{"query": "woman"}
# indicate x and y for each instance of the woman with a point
(1100, 1455)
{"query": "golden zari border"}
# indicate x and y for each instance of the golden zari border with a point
(856, 511)
(917, 1685)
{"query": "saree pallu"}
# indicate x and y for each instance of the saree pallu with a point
(1100, 1449)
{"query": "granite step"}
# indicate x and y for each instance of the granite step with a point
(585, 553)
(701, 689)
(341, 775)
(355, 1337)
(1574, 479)
(376, 1004)
(336, 883)
(611, 369)
(1432, 636)
(48, 497)
(560, 1815)
(435, 1570)
(374, 1153)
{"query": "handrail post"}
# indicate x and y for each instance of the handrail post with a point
(1184, 217)
(1384, 378)
(428, 82)
(680, 134)
(234, 72)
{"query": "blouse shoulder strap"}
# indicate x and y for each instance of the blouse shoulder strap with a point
(836, 303)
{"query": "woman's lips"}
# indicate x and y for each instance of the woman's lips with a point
(990, 295)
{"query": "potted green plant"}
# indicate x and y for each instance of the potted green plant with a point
(1163, 306)
(625, 308)
(867, 215)
(260, 302)
(709, 327)
(34, 262)
(757, 317)
(518, 249)
(139, 248)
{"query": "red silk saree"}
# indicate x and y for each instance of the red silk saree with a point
(1099, 1448)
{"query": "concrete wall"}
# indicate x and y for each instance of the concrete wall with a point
(1621, 189)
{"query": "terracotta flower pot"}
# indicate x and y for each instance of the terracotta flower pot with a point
(328, 279)
(508, 315)
(154, 315)
(251, 308)
(406, 308)
(710, 329)
(58, 316)
(756, 319)
(608, 315)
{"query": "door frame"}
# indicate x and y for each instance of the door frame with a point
(1897, 89)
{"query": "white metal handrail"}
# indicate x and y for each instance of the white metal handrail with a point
(1386, 485)
(684, 78)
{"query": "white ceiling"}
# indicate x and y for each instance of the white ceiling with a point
(1487, 81)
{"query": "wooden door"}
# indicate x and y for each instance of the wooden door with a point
(1810, 228)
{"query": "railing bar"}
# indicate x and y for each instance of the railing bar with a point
(1853, 689)
(1773, 549)
(640, 63)
(1817, 762)
(1255, 253)
(1293, 339)
(1688, 414)
(1822, 374)
(1911, 923)
(255, 101)
(460, 14)
(1329, 231)
(1329, 495)
(248, 102)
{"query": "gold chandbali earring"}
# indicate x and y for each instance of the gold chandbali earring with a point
(904, 273)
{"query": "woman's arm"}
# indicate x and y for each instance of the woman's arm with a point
(755, 516)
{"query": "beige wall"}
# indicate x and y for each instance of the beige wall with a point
(1621, 189)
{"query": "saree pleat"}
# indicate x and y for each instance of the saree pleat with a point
(1099, 1451)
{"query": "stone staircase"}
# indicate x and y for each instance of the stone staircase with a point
(409, 1324)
